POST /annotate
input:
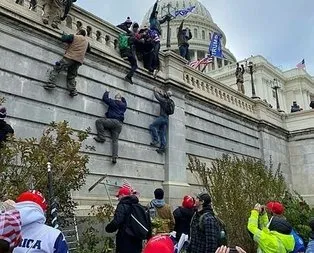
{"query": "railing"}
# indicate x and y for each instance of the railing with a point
(211, 89)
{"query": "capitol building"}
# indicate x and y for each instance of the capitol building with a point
(292, 85)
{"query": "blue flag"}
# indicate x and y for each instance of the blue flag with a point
(184, 12)
(215, 48)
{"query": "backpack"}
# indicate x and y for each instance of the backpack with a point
(222, 234)
(170, 105)
(123, 41)
(299, 244)
(138, 224)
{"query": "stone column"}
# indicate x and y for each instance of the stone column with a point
(195, 55)
(223, 62)
(215, 63)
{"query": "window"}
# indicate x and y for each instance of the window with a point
(195, 33)
(203, 35)
(210, 36)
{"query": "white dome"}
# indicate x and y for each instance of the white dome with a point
(200, 9)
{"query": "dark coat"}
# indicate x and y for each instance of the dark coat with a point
(183, 217)
(116, 108)
(125, 28)
(5, 129)
(162, 99)
(205, 238)
(124, 242)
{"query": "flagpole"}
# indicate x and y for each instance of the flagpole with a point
(52, 201)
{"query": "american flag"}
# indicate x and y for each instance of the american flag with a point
(10, 227)
(301, 65)
(205, 61)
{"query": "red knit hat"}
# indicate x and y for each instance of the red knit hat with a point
(124, 191)
(34, 196)
(188, 202)
(159, 244)
(275, 207)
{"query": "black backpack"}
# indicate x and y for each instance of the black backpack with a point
(138, 223)
(170, 105)
(221, 233)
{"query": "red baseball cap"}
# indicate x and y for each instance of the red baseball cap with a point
(124, 191)
(188, 202)
(158, 244)
(275, 207)
(34, 196)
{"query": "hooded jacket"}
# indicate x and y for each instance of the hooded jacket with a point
(5, 129)
(116, 108)
(35, 234)
(182, 217)
(163, 212)
(125, 243)
(276, 238)
(154, 21)
(183, 36)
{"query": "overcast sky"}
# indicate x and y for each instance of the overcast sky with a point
(280, 30)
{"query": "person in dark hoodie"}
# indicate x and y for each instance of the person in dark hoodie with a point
(183, 216)
(276, 238)
(310, 246)
(5, 128)
(159, 209)
(125, 243)
(113, 121)
(204, 230)
(184, 35)
(126, 25)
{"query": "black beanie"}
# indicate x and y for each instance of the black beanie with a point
(159, 193)
(281, 225)
(205, 198)
(135, 25)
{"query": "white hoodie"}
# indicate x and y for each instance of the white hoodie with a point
(38, 237)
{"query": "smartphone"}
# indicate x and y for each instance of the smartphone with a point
(233, 250)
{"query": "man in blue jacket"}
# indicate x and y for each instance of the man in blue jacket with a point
(112, 122)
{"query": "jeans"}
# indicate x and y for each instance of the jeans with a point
(133, 63)
(184, 52)
(158, 130)
(114, 126)
(155, 60)
(65, 64)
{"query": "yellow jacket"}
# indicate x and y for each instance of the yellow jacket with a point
(268, 241)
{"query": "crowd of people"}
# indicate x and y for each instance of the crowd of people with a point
(195, 228)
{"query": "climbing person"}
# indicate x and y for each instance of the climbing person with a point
(127, 48)
(112, 122)
(158, 128)
(71, 61)
(5, 128)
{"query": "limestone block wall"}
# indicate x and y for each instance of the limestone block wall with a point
(210, 118)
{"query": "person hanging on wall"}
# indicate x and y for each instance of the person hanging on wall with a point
(184, 35)
(127, 48)
(112, 122)
(158, 128)
(5, 128)
(71, 61)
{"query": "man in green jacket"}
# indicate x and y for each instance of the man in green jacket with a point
(274, 239)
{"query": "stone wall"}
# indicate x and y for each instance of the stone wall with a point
(210, 118)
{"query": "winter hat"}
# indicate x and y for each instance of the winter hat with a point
(311, 223)
(118, 96)
(34, 196)
(169, 93)
(159, 193)
(159, 244)
(281, 225)
(124, 191)
(188, 202)
(128, 21)
(10, 227)
(136, 25)
(204, 197)
(3, 112)
(275, 207)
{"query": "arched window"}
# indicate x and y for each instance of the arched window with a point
(98, 36)
(203, 35)
(210, 36)
(89, 31)
(195, 33)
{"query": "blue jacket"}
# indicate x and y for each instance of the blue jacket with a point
(116, 108)
(310, 247)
